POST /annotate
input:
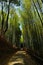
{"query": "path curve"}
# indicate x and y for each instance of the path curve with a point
(21, 58)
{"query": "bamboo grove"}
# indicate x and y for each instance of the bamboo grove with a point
(21, 22)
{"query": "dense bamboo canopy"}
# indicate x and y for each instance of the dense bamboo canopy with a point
(23, 24)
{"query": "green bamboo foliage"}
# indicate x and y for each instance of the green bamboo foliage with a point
(29, 17)
(32, 28)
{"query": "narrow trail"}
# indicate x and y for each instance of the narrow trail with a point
(21, 58)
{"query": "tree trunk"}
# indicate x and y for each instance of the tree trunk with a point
(2, 19)
(7, 18)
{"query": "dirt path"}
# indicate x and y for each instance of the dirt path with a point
(21, 58)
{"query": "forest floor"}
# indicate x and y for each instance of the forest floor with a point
(18, 58)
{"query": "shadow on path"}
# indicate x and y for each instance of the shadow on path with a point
(21, 58)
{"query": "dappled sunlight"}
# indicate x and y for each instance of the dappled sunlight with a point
(21, 58)
(21, 52)
(17, 59)
(16, 62)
